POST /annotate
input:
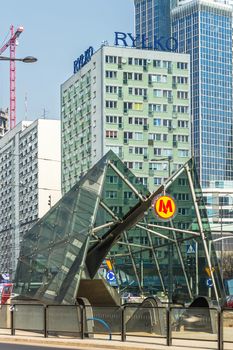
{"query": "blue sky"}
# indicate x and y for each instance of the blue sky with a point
(56, 32)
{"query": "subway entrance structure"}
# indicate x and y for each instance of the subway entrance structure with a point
(108, 215)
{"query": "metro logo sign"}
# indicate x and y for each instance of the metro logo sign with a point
(164, 207)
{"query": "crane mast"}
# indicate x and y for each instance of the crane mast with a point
(12, 44)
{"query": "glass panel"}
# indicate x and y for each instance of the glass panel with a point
(147, 321)
(55, 245)
(103, 320)
(194, 323)
(65, 318)
(29, 317)
(5, 316)
(227, 326)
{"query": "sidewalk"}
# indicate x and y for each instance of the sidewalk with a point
(132, 343)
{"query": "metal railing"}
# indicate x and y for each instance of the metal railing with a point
(124, 322)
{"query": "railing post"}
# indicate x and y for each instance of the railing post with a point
(123, 330)
(220, 329)
(12, 307)
(45, 322)
(169, 328)
(81, 321)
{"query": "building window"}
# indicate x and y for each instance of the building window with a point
(112, 119)
(157, 63)
(128, 195)
(111, 89)
(111, 194)
(183, 211)
(157, 122)
(138, 76)
(111, 74)
(183, 153)
(180, 80)
(157, 151)
(158, 93)
(111, 134)
(112, 179)
(182, 95)
(158, 78)
(143, 180)
(138, 165)
(157, 180)
(137, 106)
(128, 105)
(138, 136)
(183, 124)
(182, 65)
(137, 121)
(111, 104)
(110, 59)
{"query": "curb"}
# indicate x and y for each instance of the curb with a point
(109, 345)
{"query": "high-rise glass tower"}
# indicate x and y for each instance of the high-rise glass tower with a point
(204, 30)
(152, 18)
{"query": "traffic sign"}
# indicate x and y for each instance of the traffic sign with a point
(190, 249)
(110, 276)
(207, 270)
(209, 282)
(164, 207)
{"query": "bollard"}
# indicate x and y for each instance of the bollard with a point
(12, 307)
(45, 322)
(169, 329)
(220, 330)
(123, 331)
(81, 321)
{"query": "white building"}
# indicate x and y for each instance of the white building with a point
(4, 122)
(29, 179)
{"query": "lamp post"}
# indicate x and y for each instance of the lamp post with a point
(27, 59)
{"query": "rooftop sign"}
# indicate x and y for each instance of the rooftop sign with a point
(141, 41)
(83, 59)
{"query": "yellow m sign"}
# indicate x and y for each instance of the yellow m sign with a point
(164, 207)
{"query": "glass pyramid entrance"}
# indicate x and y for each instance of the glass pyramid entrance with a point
(108, 214)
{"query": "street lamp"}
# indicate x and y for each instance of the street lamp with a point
(27, 59)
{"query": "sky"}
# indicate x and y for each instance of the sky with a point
(56, 33)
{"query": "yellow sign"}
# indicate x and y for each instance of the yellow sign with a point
(109, 264)
(207, 270)
(164, 207)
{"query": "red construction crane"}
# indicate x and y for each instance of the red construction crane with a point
(12, 44)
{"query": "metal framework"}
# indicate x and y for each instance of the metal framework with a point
(84, 228)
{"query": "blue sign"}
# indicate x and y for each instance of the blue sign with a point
(209, 283)
(190, 249)
(111, 276)
(159, 43)
(83, 59)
